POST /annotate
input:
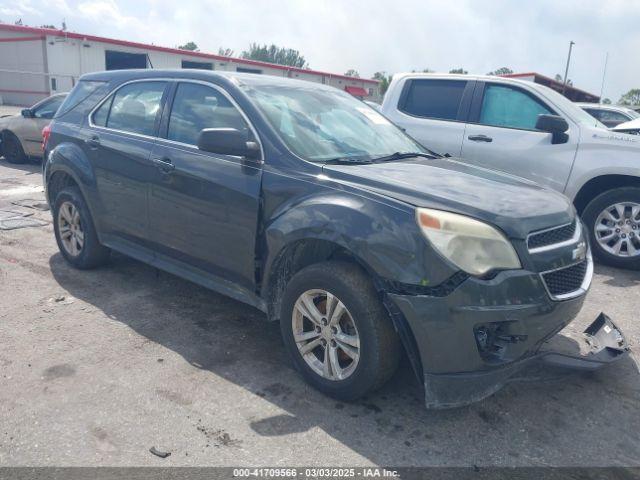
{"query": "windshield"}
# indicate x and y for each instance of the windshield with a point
(321, 124)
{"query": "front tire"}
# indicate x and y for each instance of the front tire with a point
(12, 149)
(75, 231)
(337, 332)
(613, 221)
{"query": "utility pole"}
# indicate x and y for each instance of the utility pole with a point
(604, 73)
(566, 70)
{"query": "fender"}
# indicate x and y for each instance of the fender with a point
(383, 238)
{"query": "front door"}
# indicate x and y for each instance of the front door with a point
(118, 141)
(203, 207)
(501, 135)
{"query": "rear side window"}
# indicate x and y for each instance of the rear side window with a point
(133, 108)
(504, 106)
(196, 107)
(80, 92)
(434, 98)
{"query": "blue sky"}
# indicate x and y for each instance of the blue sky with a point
(372, 35)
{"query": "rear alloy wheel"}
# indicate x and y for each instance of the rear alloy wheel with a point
(74, 230)
(614, 221)
(13, 151)
(337, 331)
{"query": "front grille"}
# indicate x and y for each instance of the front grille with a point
(565, 280)
(551, 237)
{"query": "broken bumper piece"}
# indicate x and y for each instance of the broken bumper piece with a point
(603, 344)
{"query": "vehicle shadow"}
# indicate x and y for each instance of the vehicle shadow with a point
(545, 417)
(617, 277)
(29, 167)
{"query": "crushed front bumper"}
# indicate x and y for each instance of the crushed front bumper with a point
(468, 343)
(603, 340)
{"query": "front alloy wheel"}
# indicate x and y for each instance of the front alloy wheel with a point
(617, 228)
(325, 334)
(336, 330)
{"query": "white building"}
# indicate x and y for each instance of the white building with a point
(38, 62)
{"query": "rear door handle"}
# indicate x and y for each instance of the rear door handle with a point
(93, 141)
(480, 138)
(164, 164)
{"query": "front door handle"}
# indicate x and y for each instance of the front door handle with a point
(480, 138)
(93, 141)
(164, 164)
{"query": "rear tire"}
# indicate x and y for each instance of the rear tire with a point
(601, 213)
(12, 149)
(75, 232)
(362, 321)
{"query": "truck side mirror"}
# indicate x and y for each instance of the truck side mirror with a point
(555, 125)
(228, 141)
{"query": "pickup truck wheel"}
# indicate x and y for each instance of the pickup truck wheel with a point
(337, 331)
(13, 151)
(75, 232)
(613, 220)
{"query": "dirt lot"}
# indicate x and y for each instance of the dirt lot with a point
(97, 367)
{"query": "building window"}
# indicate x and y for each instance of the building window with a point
(54, 84)
(123, 60)
(197, 65)
(248, 70)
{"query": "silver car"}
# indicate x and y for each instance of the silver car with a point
(21, 135)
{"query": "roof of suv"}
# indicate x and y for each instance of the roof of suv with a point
(195, 74)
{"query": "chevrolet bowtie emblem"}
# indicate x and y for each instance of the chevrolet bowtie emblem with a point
(580, 252)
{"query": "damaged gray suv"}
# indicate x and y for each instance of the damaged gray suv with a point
(300, 200)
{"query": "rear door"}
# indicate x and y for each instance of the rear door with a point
(118, 141)
(203, 207)
(501, 135)
(434, 111)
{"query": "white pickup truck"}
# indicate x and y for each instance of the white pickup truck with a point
(533, 132)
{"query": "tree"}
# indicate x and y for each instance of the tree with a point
(606, 101)
(352, 73)
(632, 97)
(53, 27)
(274, 54)
(191, 46)
(383, 81)
(501, 71)
(424, 70)
(560, 78)
(225, 52)
(459, 70)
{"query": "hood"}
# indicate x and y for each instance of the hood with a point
(630, 125)
(515, 205)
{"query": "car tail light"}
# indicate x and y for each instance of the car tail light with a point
(46, 133)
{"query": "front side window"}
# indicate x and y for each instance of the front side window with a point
(503, 106)
(48, 109)
(196, 107)
(609, 116)
(322, 124)
(438, 99)
(134, 108)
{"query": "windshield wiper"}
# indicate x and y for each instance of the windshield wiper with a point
(401, 155)
(347, 161)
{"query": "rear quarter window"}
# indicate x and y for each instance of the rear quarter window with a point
(82, 90)
(439, 99)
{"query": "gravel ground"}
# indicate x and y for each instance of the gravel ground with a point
(98, 366)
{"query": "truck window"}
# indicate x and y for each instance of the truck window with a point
(504, 106)
(438, 99)
(197, 107)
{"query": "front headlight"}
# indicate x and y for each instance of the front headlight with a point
(472, 245)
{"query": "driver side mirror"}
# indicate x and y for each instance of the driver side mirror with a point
(228, 141)
(555, 125)
(27, 113)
